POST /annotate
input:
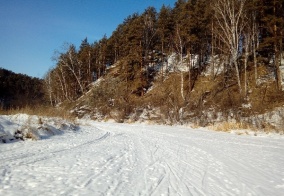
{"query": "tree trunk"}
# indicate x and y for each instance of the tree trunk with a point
(162, 60)
(89, 69)
(246, 47)
(181, 85)
(189, 72)
(245, 78)
(62, 88)
(280, 48)
(49, 88)
(276, 52)
(212, 50)
(255, 62)
(237, 73)
(255, 45)
(72, 69)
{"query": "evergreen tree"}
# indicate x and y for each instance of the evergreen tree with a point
(164, 29)
(272, 33)
(85, 58)
(19, 90)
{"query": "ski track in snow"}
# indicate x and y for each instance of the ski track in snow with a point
(136, 159)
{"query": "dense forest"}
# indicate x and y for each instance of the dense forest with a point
(242, 34)
(18, 90)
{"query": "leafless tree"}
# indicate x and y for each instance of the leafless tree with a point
(229, 26)
(69, 60)
(246, 45)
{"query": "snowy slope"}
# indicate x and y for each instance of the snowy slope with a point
(137, 159)
(37, 127)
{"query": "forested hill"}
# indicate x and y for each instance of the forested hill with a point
(223, 56)
(19, 90)
(241, 34)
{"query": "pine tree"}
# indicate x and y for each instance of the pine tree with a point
(272, 33)
(85, 58)
(164, 29)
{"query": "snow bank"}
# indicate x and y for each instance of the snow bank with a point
(23, 126)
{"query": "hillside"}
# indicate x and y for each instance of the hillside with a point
(210, 100)
(198, 62)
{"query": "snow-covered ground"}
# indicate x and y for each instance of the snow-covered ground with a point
(136, 159)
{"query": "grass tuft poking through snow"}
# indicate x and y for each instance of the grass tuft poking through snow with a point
(229, 126)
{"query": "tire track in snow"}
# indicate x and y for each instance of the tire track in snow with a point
(172, 160)
(199, 165)
(122, 165)
(119, 159)
(25, 159)
(154, 176)
(29, 162)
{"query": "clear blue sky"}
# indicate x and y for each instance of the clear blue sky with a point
(31, 30)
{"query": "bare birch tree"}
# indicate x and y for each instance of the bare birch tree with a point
(229, 27)
(255, 40)
(69, 60)
(247, 41)
(179, 46)
(48, 87)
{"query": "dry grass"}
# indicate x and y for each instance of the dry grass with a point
(30, 135)
(267, 127)
(194, 126)
(229, 126)
(40, 111)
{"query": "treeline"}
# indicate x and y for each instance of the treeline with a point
(18, 90)
(241, 34)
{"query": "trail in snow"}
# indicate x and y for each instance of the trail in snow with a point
(121, 159)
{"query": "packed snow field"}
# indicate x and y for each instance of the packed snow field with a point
(136, 159)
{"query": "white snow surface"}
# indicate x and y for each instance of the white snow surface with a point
(137, 159)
